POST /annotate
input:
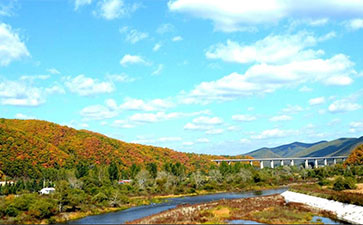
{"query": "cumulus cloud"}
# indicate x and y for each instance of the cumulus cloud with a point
(280, 118)
(12, 48)
(20, 93)
(23, 116)
(271, 49)
(113, 9)
(132, 59)
(214, 131)
(98, 112)
(273, 133)
(165, 28)
(244, 118)
(203, 140)
(133, 36)
(141, 105)
(343, 105)
(356, 127)
(86, 86)
(264, 78)
(80, 3)
(156, 47)
(53, 71)
(317, 101)
(177, 38)
(205, 120)
(161, 116)
(231, 15)
(354, 24)
(292, 109)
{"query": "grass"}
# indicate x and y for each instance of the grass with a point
(265, 209)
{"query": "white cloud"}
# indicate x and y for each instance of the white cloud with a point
(86, 86)
(203, 140)
(356, 127)
(162, 116)
(245, 141)
(53, 71)
(231, 15)
(264, 78)
(156, 47)
(354, 24)
(188, 143)
(273, 133)
(23, 116)
(292, 109)
(7, 8)
(122, 124)
(305, 89)
(205, 120)
(11, 47)
(132, 59)
(165, 28)
(280, 118)
(80, 3)
(271, 49)
(139, 104)
(177, 38)
(317, 101)
(20, 93)
(34, 77)
(153, 117)
(243, 118)
(55, 89)
(111, 9)
(158, 70)
(122, 78)
(98, 112)
(133, 36)
(343, 105)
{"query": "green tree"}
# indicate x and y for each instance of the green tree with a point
(113, 172)
(153, 169)
(81, 170)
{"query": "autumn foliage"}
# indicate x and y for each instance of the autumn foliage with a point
(356, 156)
(27, 145)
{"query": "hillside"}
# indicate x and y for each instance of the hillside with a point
(342, 146)
(26, 145)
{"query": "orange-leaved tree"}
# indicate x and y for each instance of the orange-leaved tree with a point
(355, 157)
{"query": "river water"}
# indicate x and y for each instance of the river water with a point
(147, 210)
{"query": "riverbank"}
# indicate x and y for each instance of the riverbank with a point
(346, 212)
(265, 209)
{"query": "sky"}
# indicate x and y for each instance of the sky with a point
(203, 76)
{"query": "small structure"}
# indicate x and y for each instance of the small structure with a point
(124, 181)
(47, 191)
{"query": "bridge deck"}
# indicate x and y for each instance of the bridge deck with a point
(278, 159)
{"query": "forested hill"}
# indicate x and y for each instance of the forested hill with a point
(341, 146)
(28, 145)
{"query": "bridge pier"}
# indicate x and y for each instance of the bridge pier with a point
(306, 164)
(261, 164)
(292, 162)
(335, 161)
(251, 163)
(272, 164)
(316, 163)
(282, 162)
(325, 162)
(229, 162)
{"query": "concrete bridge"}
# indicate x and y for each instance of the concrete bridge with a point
(283, 160)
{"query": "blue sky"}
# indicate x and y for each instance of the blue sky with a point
(216, 77)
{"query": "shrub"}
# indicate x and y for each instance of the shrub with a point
(344, 183)
(43, 208)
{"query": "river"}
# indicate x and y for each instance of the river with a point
(147, 210)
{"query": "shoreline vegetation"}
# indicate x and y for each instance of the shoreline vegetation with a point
(263, 209)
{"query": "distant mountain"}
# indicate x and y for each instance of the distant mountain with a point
(28, 145)
(341, 146)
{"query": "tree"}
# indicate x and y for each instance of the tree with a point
(113, 172)
(81, 170)
(134, 170)
(152, 168)
(355, 157)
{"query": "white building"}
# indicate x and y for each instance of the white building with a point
(47, 191)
